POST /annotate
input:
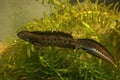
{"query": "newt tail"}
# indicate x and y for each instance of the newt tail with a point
(65, 40)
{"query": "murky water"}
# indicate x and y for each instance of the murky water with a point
(15, 13)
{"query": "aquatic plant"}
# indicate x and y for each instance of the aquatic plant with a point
(24, 61)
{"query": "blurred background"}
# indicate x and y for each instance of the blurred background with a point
(22, 58)
(15, 13)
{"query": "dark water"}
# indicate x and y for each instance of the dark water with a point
(99, 1)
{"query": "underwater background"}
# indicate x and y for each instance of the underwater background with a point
(20, 60)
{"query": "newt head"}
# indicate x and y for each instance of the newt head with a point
(25, 35)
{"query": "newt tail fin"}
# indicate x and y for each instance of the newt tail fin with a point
(96, 49)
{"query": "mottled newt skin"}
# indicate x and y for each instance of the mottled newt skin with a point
(65, 40)
(57, 39)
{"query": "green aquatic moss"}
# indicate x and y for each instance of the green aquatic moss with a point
(24, 61)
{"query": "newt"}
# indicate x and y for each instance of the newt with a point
(66, 40)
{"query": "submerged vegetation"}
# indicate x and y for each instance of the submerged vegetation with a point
(24, 61)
